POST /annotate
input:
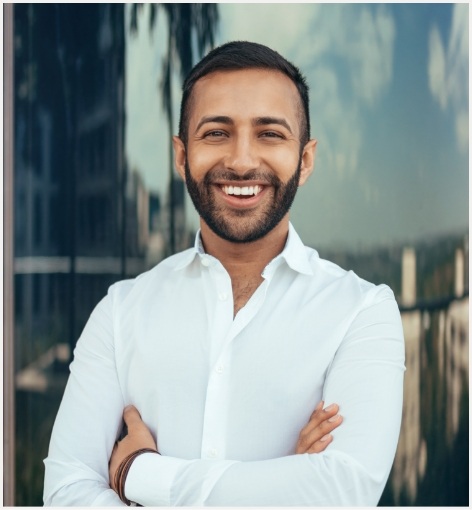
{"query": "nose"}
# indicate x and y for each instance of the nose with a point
(242, 155)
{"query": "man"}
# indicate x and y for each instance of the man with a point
(220, 354)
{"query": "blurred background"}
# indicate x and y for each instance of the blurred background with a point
(92, 94)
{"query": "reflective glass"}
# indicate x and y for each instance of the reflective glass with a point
(96, 198)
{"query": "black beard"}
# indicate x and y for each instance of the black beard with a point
(229, 228)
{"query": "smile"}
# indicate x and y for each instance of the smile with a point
(242, 190)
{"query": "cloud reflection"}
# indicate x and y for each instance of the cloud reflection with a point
(448, 71)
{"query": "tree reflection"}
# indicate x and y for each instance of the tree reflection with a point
(186, 23)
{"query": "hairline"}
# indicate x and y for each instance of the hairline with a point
(302, 121)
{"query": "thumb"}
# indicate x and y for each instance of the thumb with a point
(131, 417)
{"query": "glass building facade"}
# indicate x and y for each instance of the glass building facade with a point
(78, 217)
(81, 220)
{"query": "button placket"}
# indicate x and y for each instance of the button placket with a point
(218, 396)
(213, 452)
(214, 423)
(223, 311)
(216, 409)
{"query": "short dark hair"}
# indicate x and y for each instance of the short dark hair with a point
(238, 55)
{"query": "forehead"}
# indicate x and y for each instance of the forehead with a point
(245, 93)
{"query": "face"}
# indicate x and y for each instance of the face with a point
(243, 160)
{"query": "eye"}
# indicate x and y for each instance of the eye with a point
(271, 134)
(214, 134)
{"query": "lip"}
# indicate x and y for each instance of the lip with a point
(261, 183)
(242, 203)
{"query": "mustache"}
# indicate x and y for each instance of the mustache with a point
(251, 175)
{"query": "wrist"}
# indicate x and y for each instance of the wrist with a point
(123, 469)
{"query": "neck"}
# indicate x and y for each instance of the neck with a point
(245, 258)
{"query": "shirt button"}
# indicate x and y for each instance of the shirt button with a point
(205, 262)
(220, 369)
(213, 452)
(223, 296)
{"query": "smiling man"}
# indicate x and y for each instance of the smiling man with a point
(223, 356)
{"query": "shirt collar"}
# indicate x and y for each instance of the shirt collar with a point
(189, 255)
(294, 254)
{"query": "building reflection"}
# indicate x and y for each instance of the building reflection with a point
(431, 464)
(83, 220)
(430, 280)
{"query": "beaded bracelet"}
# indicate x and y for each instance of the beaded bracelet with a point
(122, 472)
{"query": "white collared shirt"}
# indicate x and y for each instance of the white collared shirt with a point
(226, 397)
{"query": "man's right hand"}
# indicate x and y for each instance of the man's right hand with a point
(139, 436)
(315, 435)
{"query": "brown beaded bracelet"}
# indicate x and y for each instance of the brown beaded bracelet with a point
(122, 472)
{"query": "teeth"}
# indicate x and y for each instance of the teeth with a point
(245, 190)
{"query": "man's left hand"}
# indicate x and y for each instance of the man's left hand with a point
(139, 436)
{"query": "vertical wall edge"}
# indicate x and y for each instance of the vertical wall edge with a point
(8, 271)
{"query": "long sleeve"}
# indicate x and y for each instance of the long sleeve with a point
(365, 378)
(88, 421)
(225, 399)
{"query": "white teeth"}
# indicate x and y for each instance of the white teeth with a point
(245, 190)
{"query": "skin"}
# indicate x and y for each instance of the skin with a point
(240, 145)
(242, 122)
(313, 438)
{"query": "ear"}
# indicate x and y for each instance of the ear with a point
(179, 156)
(308, 161)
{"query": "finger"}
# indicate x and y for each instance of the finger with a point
(317, 429)
(319, 417)
(131, 417)
(331, 410)
(139, 435)
(320, 445)
(317, 409)
(324, 428)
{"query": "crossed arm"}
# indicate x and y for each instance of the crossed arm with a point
(313, 438)
(365, 377)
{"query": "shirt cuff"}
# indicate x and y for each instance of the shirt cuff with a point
(150, 479)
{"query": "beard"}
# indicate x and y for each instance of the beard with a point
(242, 225)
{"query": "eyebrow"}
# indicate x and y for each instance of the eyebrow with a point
(220, 119)
(265, 121)
(259, 121)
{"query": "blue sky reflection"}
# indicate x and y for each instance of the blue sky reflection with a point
(389, 107)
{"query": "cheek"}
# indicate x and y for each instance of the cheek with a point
(202, 160)
(283, 162)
